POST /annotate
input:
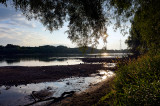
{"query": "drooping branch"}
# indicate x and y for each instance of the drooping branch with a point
(87, 19)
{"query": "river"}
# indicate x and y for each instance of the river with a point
(21, 94)
(70, 59)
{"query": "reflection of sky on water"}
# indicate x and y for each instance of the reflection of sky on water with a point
(19, 95)
(109, 64)
(59, 60)
(42, 63)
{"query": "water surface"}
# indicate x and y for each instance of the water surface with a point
(70, 59)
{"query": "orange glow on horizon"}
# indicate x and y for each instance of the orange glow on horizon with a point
(104, 54)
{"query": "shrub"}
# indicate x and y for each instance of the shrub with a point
(136, 83)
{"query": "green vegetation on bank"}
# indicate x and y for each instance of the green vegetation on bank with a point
(136, 83)
(47, 49)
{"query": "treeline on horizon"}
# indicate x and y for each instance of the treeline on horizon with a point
(10, 49)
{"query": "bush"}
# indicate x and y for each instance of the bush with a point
(136, 83)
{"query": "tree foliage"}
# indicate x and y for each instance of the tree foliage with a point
(88, 19)
(145, 33)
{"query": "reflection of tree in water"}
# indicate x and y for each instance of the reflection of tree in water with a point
(52, 59)
(19, 58)
(11, 61)
(62, 59)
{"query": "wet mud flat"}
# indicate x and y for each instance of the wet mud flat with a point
(54, 85)
(88, 97)
(17, 75)
(51, 92)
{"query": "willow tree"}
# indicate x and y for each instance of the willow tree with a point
(88, 19)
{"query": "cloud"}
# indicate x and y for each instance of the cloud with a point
(36, 39)
(9, 41)
(6, 13)
(9, 36)
(20, 21)
(22, 37)
(16, 29)
(14, 18)
(11, 33)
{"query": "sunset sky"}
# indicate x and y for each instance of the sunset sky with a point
(16, 29)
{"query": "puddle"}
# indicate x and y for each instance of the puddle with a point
(109, 64)
(19, 95)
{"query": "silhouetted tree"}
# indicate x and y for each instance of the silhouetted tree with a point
(88, 19)
(145, 33)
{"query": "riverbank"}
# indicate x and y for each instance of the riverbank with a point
(89, 97)
(17, 75)
(136, 83)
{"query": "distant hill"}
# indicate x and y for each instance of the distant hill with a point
(11, 49)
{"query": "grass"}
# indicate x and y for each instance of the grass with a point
(136, 83)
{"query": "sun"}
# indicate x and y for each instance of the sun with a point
(105, 35)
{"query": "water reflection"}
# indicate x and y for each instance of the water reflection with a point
(106, 73)
(45, 60)
(104, 77)
(109, 64)
(43, 63)
(105, 54)
(20, 95)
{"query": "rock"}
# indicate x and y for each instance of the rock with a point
(42, 94)
(8, 87)
(67, 83)
(49, 88)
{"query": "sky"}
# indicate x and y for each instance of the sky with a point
(16, 29)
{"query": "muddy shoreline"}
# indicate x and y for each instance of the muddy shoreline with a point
(17, 75)
(89, 97)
